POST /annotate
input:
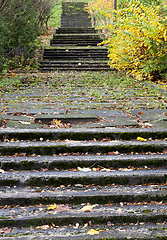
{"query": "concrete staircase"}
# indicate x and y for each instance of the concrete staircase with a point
(111, 188)
(74, 45)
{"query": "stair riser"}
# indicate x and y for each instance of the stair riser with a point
(80, 134)
(87, 179)
(69, 162)
(74, 43)
(98, 199)
(50, 150)
(76, 66)
(81, 218)
(61, 69)
(74, 57)
(75, 31)
(77, 54)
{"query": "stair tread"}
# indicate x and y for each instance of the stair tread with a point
(140, 230)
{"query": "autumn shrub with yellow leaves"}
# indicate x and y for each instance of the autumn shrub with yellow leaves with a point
(136, 36)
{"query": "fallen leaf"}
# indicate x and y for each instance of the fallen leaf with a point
(62, 208)
(84, 169)
(67, 110)
(52, 207)
(88, 208)
(140, 113)
(92, 232)
(23, 122)
(6, 230)
(164, 151)
(12, 140)
(43, 227)
(57, 122)
(141, 139)
(125, 169)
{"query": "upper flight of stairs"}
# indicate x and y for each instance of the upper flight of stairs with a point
(74, 45)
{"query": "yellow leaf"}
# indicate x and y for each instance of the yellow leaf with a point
(84, 169)
(57, 122)
(88, 208)
(52, 207)
(67, 50)
(12, 140)
(43, 227)
(141, 139)
(92, 232)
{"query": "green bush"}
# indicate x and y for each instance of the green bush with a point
(22, 21)
(136, 36)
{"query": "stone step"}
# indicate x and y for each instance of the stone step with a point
(75, 30)
(77, 36)
(72, 57)
(75, 55)
(75, 15)
(66, 162)
(68, 65)
(35, 215)
(84, 134)
(133, 231)
(62, 69)
(79, 194)
(81, 63)
(72, 42)
(76, 23)
(76, 50)
(73, 177)
(81, 147)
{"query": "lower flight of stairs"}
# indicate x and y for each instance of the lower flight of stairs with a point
(54, 188)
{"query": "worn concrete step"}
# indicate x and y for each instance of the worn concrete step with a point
(62, 69)
(73, 63)
(91, 147)
(78, 194)
(84, 134)
(74, 9)
(80, 36)
(36, 215)
(57, 178)
(77, 57)
(70, 40)
(77, 49)
(76, 16)
(103, 162)
(74, 42)
(75, 30)
(142, 231)
(133, 231)
(80, 67)
(71, 22)
(76, 23)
